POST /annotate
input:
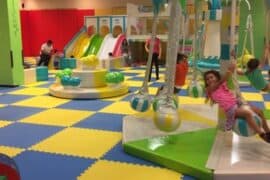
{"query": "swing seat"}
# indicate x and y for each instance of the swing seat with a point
(242, 128)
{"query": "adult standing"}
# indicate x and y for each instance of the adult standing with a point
(45, 53)
(156, 55)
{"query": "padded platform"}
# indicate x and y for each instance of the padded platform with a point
(185, 150)
(91, 78)
(88, 93)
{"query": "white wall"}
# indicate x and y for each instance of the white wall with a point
(78, 4)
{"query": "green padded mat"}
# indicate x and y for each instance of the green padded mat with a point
(186, 153)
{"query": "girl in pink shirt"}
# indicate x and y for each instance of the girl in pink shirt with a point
(218, 92)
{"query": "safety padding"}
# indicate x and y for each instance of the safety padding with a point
(30, 76)
(67, 63)
(42, 73)
(91, 78)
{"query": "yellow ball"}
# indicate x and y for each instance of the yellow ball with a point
(166, 118)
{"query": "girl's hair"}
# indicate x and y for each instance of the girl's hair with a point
(214, 72)
(181, 57)
(253, 64)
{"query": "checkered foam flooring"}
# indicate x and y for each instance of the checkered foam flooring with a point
(61, 139)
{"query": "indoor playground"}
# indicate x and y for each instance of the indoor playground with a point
(93, 112)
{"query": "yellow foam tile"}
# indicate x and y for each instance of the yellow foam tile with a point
(31, 91)
(4, 123)
(87, 143)
(191, 100)
(134, 71)
(57, 117)
(120, 107)
(267, 105)
(141, 75)
(133, 83)
(116, 98)
(103, 169)
(152, 90)
(10, 151)
(252, 96)
(2, 105)
(53, 71)
(191, 116)
(42, 102)
(36, 84)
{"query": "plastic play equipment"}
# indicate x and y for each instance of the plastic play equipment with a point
(107, 46)
(195, 89)
(94, 45)
(8, 168)
(242, 128)
(245, 55)
(87, 82)
(142, 97)
(202, 152)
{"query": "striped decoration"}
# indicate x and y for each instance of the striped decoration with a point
(140, 103)
(158, 101)
(242, 128)
(195, 89)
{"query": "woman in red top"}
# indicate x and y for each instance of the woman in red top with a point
(156, 55)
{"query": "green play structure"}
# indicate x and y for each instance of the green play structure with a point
(11, 60)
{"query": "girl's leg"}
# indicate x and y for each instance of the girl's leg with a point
(260, 113)
(247, 115)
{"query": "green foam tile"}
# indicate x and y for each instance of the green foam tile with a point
(186, 153)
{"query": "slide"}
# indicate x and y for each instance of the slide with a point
(81, 46)
(94, 45)
(107, 46)
(117, 51)
(73, 43)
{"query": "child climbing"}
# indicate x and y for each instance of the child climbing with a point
(218, 92)
(254, 75)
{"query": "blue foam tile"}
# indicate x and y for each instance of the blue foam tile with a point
(139, 68)
(14, 113)
(136, 79)
(156, 84)
(183, 92)
(44, 166)
(257, 104)
(248, 89)
(91, 105)
(9, 99)
(185, 177)
(128, 97)
(46, 85)
(10, 89)
(130, 74)
(117, 154)
(104, 121)
(266, 97)
(24, 135)
(133, 89)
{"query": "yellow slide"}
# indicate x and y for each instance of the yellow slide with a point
(81, 45)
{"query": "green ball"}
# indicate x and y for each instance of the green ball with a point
(59, 74)
(67, 72)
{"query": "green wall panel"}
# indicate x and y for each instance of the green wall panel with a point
(258, 17)
(10, 44)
